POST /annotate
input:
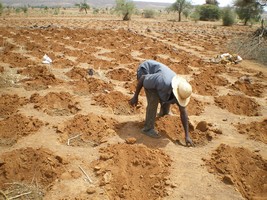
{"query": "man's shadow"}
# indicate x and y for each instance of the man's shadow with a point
(133, 130)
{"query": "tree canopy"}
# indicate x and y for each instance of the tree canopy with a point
(248, 9)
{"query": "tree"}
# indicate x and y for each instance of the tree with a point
(212, 2)
(179, 6)
(83, 6)
(126, 8)
(209, 12)
(248, 9)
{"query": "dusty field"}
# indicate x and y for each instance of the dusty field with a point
(65, 134)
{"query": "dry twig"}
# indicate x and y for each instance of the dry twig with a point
(87, 177)
(68, 143)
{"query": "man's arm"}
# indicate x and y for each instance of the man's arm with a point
(139, 86)
(184, 119)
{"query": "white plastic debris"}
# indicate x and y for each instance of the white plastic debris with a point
(46, 60)
(227, 58)
(226, 55)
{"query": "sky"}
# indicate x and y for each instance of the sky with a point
(222, 3)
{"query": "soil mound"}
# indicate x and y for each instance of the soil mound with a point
(254, 130)
(238, 104)
(16, 60)
(9, 133)
(40, 78)
(131, 87)
(58, 104)
(141, 174)
(40, 82)
(77, 73)
(30, 166)
(206, 82)
(91, 85)
(194, 107)
(61, 62)
(9, 104)
(121, 74)
(118, 102)
(248, 88)
(241, 168)
(88, 129)
(172, 127)
(34, 71)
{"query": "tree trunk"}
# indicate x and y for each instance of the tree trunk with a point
(245, 22)
(179, 19)
(126, 17)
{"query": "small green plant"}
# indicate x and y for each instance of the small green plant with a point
(149, 13)
(24, 9)
(228, 17)
(18, 10)
(56, 11)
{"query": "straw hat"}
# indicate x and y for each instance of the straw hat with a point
(182, 90)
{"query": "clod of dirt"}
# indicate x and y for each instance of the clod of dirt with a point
(238, 104)
(58, 104)
(118, 102)
(254, 130)
(130, 140)
(9, 104)
(202, 126)
(31, 166)
(242, 168)
(88, 129)
(24, 126)
(133, 172)
(121, 74)
(91, 85)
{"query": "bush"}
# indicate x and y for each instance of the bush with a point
(195, 16)
(209, 12)
(228, 17)
(149, 13)
(1, 9)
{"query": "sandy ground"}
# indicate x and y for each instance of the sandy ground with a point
(69, 134)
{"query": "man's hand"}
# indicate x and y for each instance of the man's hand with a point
(189, 141)
(133, 101)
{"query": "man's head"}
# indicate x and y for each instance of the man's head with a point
(182, 90)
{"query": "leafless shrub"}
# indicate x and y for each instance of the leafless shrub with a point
(252, 46)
